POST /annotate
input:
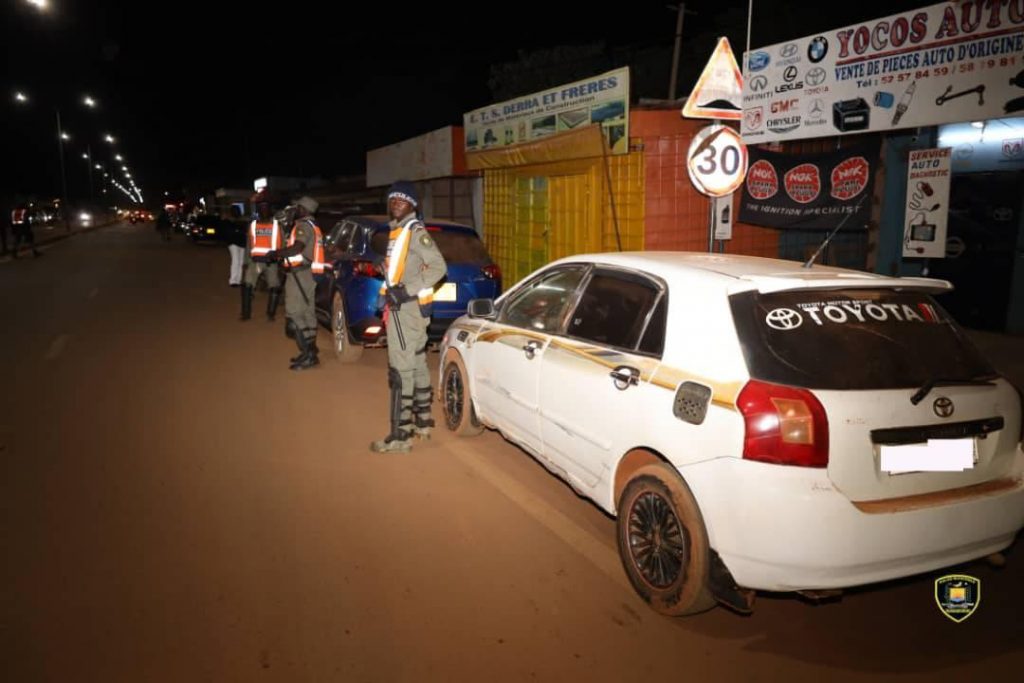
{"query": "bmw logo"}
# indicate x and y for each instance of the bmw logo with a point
(817, 50)
(758, 61)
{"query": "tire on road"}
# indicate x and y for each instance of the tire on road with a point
(345, 349)
(662, 542)
(459, 414)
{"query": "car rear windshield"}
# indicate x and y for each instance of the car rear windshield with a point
(852, 339)
(457, 246)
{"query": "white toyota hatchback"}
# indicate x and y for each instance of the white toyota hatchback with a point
(752, 424)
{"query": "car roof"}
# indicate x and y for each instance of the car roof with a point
(738, 273)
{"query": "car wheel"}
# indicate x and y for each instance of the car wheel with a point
(459, 415)
(344, 348)
(662, 542)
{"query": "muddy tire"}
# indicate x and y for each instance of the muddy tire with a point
(345, 350)
(663, 544)
(459, 415)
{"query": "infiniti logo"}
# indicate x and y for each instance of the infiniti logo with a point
(783, 319)
(943, 407)
(758, 83)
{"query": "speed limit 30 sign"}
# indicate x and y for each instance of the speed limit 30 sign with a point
(717, 161)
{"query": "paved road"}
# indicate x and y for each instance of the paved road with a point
(178, 506)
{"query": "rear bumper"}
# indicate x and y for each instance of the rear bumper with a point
(787, 528)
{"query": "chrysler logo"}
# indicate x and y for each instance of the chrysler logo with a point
(943, 407)
(783, 319)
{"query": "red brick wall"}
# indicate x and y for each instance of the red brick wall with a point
(676, 214)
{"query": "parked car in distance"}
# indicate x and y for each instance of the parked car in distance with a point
(347, 296)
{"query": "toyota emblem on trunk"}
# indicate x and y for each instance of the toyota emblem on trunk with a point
(943, 407)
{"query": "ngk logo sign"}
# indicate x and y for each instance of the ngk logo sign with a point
(783, 106)
(762, 180)
(849, 178)
(803, 183)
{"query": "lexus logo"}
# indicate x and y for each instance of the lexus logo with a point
(758, 83)
(943, 407)
(788, 50)
(783, 319)
(816, 76)
(790, 74)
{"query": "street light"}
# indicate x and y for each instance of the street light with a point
(89, 102)
(40, 5)
(21, 97)
(118, 157)
(65, 136)
(85, 156)
(109, 138)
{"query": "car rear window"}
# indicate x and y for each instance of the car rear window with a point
(852, 339)
(456, 246)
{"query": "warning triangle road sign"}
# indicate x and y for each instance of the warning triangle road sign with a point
(719, 90)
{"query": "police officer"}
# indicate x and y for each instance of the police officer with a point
(412, 268)
(303, 257)
(265, 235)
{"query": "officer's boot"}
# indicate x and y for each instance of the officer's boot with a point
(273, 300)
(422, 421)
(309, 358)
(246, 302)
(400, 438)
(300, 341)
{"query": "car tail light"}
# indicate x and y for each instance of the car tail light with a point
(784, 425)
(368, 268)
(492, 271)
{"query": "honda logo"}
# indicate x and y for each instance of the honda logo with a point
(943, 407)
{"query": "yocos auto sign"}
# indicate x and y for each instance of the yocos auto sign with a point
(953, 61)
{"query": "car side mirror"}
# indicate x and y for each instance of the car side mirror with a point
(481, 308)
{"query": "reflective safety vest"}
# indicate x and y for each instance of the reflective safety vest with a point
(18, 216)
(263, 237)
(317, 265)
(398, 252)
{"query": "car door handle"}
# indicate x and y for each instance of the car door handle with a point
(625, 376)
(530, 348)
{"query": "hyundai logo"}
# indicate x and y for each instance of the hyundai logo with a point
(788, 50)
(943, 407)
(758, 61)
(784, 319)
(790, 74)
(758, 83)
(816, 76)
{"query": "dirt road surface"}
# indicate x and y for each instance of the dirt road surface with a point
(178, 506)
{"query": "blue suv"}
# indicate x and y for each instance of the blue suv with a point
(346, 298)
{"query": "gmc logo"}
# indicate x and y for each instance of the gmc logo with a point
(784, 106)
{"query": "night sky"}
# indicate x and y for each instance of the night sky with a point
(204, 94)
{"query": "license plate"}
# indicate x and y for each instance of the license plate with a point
(211, 231)
(448, 292)
(938, 455)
